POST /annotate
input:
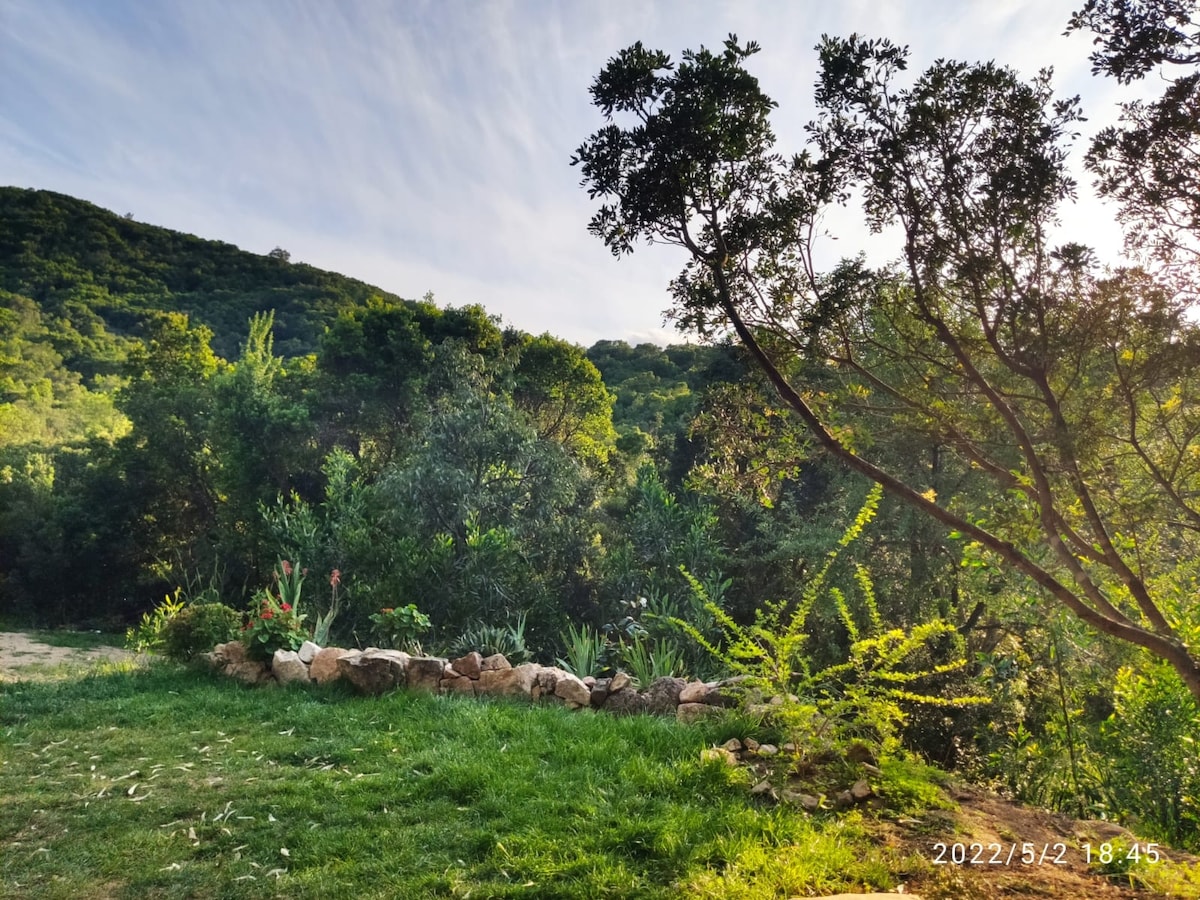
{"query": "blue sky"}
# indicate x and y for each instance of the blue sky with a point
(424, 146)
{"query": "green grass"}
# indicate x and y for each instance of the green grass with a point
(164, 782)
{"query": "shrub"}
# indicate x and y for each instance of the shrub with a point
(858, 699)
(400, 627)
(148, 637)
(198, 628)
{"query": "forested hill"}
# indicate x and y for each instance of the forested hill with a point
(85, 268)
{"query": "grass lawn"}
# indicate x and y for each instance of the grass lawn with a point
(166, 782)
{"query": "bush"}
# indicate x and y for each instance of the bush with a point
(198, 628)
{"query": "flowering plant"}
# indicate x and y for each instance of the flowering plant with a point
(274, 625)
(400, 627)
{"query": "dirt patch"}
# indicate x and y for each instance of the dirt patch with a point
(22, 657)
(993, 848)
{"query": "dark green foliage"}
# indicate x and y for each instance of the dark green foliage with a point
(80, 262)
(198, 628)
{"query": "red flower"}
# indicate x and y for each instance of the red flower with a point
(267, 614)
(335, 578)
(286, 607)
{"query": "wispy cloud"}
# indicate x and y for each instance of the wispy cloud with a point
(417, 145)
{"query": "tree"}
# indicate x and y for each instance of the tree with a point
(561, 391)
(280, 254)
(1150, 162)
(1016, 358)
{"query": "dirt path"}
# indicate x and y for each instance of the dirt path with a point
(24, 658)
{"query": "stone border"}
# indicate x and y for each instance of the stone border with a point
(374, 672)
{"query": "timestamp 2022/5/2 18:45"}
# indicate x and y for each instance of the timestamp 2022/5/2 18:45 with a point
(1030, 853)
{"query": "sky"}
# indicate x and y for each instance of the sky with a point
(425, 146)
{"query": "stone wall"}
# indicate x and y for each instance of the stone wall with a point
(374, 671)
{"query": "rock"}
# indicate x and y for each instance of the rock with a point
(625, 703)
(374, 671)
(763, 787)
(469, 665)
(233, 652)
(619, 682)
(544, 682)
(424, 673)
(861, 753)
(600, 692)
(308, 651)
(508, 682)
(844, 800)
(720, 754)
(662, 696)
(694, 712)
(733, 745)
(324, 666)
(493, 662)
(768, 750)
(571, 689)
(751, 744)
(694, 692)
(589, 681)
(460, 684)
(804, 801)
(287, 667)
(249, 671)
(861, 791)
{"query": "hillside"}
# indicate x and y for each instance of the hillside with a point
(88, 267)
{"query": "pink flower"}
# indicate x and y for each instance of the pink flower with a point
(267, 614)
(287, 568)
(335, 578)
(286, 607)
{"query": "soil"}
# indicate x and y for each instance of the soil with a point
(984, 828)
(24, 658)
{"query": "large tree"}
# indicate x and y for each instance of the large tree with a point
(1073, 393)
(1150, 161)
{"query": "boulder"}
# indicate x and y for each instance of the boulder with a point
(493, 662)
(424, 673)
(695, 692)
(861, 791)
(308, 651)
(662, 696)
(508, 682)
(374, 671)
(232, 652)
(804, 801)
(571, 689)
(625, 703)
(249, 671)
(458, 684)
(469, 665)
(599, 692)
(694, 712)
(287, 667)
(619, 682)
(324, 665)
